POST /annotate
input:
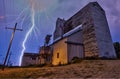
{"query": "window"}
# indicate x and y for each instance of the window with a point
(57, 55)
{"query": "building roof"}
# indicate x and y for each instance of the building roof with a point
(69, 33)
(31, 54)
(76, 29)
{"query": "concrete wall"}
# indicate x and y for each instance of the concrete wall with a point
(61, 48)
(104, 40)
(84, 17)
(96, 35)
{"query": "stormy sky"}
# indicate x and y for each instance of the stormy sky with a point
(46, 13)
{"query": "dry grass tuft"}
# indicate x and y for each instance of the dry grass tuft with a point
(84, 69)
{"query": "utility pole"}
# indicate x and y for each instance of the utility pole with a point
(9, 58)
(0, 63)
(14, 29)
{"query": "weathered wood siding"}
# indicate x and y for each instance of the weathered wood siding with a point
(75, 50)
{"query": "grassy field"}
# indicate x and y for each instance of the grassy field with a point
(84, 69)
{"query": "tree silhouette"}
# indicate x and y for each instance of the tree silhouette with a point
(117, 49)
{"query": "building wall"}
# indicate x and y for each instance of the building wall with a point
(60, 48)
(59, 28)
(75, 50)
(84, 17)
(76, 37)
(42, 60)
(89, 35)
(104, 40)
(27, 60)
(43, 51)
(96, 35)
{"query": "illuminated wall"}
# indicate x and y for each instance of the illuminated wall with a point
(60, 52)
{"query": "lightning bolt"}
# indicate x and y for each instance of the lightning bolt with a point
(28, 34)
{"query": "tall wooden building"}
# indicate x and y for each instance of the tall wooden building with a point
(93, 40)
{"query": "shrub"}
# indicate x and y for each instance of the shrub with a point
(76, 60)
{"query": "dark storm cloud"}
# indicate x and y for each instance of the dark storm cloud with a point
(113, 14)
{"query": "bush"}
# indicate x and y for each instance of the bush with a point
(76, 60)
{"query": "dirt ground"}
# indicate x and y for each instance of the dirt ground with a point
(84, 69)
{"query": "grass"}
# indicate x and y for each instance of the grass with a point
(17, 72)
(24, 73)
(84, 69)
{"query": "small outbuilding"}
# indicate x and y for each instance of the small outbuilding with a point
(30, 59)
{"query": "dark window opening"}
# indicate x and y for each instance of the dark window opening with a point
(33, 58)
(94, 4)
(57, 55)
